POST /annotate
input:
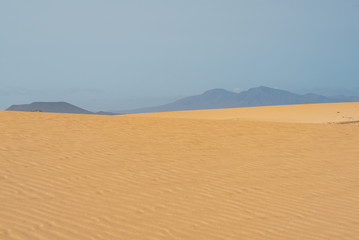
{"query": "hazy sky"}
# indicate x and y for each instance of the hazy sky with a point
(114, 54)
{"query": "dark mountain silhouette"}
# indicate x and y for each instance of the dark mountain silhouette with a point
(55, 107)
(260, 96)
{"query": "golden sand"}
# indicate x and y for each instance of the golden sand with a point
(271, 173)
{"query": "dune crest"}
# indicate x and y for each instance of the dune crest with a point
(256, 173)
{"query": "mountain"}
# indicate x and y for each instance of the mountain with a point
(55, 107)
(221, 98)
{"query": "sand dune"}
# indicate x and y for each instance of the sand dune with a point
(257, 173)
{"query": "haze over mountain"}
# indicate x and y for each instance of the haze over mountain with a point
(259, 96)
(113, 55)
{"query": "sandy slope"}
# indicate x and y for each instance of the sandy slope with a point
(181, 175)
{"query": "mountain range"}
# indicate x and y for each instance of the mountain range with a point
(212, 99)
(259, 96)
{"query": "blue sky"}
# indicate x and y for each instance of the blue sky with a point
(114, 54)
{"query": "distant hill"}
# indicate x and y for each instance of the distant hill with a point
(55, 107)
(106, 113)
(260, 96)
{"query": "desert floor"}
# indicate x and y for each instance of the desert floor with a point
(271, 173)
